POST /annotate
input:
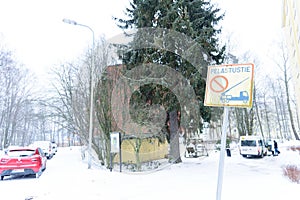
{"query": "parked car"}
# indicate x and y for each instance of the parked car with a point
(252, 146)
(46, 146)
(22, 161)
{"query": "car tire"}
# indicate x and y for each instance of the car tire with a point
(262, 155)
(2, 177)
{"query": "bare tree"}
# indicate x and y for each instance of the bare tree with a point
(15, 95)
(72, 100)
(283, 65)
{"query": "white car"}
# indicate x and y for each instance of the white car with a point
(46, 146)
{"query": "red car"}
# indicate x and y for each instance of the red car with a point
(22, 161)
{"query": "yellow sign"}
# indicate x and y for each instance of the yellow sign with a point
(229, 85)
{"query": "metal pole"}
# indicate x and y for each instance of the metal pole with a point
(72, 22)
(222, 153)
(91, 103)
(110, 157)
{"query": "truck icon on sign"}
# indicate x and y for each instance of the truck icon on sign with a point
(226, 98)
(244, 96)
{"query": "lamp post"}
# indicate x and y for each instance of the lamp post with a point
(72, 22)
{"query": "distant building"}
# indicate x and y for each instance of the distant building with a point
(291, 23)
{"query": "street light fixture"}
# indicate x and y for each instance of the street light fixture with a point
(72, 22)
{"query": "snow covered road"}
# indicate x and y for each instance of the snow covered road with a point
(67, 177)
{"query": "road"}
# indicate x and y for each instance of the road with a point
(57, 178)
(68, 177)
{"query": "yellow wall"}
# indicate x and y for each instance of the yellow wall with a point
(150, 149)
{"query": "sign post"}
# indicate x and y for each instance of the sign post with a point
(228, 86)
(115, 147)
(222, 153)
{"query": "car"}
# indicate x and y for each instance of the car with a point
(252, 146)
(46, 146)
(22, 161)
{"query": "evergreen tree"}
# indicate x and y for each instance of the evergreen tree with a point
(197, 19)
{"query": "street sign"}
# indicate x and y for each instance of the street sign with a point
(114, 142)
(229, 85)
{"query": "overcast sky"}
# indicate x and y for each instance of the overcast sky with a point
(254, 24)
(34, 30)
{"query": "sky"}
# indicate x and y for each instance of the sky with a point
(254, 24)
(34, 30)
(67, 177)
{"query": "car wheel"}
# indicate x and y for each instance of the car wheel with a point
(262, 155)
(2, 177)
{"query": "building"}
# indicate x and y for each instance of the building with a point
(291, 25)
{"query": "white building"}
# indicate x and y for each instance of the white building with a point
(291, 24)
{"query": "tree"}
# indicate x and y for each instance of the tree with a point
(283, 65)
(71, 102)
(196, 19)
(16, 84)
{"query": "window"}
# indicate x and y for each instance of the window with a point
(20, 153)
(250, 143)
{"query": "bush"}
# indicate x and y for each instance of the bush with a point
(295, 148)
(292, 172)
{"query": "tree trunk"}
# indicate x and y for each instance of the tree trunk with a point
(286, 84)
(174, 139)
(291, 115)
(258, 119)
(267, 117)
(277, 112)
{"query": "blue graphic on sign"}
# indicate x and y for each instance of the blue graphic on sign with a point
(226, 98)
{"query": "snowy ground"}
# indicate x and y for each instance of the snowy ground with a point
(67, 177)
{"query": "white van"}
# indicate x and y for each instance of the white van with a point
(252, 146)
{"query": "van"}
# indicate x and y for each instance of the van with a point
(252, 146)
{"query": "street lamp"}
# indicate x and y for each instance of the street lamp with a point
(72, 22)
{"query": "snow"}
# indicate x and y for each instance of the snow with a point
(67, 177)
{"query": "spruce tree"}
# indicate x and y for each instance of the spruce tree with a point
(197, 19)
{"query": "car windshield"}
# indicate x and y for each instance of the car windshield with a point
(20, 153)
(251, 143)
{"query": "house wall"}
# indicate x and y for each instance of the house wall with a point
(151, 149)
